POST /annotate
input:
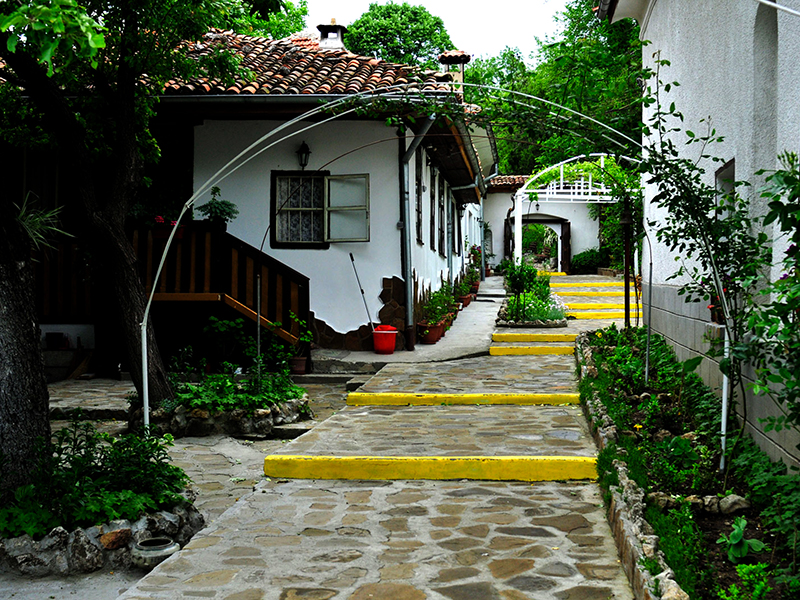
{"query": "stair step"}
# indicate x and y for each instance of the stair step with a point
(571, 294)
(381, 468)
(583, 284)
(534, 337)
(356, 382)
(612, 314)
(312, 378)
(599, 305)
(420, 399)
(529, 350)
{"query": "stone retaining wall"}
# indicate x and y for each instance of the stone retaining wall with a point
(197, 422)
(85, 550)
(633, 534)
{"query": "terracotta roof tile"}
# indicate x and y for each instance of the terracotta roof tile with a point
(297, 65)
(508, 181)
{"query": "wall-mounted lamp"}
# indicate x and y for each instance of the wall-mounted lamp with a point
(303, 154)
(537, 207)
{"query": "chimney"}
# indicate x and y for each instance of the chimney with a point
(331, 37)
(454, 61)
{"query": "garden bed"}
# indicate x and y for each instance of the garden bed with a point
(504, 320)
(109, 545)
(197, 422)
(668, 505)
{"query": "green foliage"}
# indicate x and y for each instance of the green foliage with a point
(775, 322)
(536, 237)
(738, 546)
(591, 66)
(85, 478)
(223, 391)
(39, 224)
(217, 210)
(529, 306)
(588, 261)
(227, 342)
(56, 27)
(399, 33)
(680, 541)
(755, 585)
(280, 20)
(438, 305)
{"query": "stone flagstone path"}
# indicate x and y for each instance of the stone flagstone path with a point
(317, 539)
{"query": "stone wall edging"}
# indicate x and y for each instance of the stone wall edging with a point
(633, 535)
(198, 422)
(108, 545)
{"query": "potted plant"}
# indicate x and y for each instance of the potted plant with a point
(163, 228)
(473, 278)
(298, 363)
(218, 212)
(462, 292)
(435, 310)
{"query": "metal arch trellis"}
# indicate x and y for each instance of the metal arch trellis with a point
(584, 190)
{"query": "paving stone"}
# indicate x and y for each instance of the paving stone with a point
(470, 591)
(583, 592)
(251, 594)
(532, 583)
(395, 591)
(557, 569)
(307, 594)
(448, 575)
(212, 578)
(508, 567)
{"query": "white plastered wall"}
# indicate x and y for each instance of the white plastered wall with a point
(334, 292)
(583, 229)
(736, 62)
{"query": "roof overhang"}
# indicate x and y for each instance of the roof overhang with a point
(614, 10)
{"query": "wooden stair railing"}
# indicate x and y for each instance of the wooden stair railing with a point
(206, 264)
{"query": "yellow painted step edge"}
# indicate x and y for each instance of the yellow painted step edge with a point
(564, 294)
(529, 350)
(614, 314)
(500, 468)
(589, 284)
(552, 273)
(599, 305)
(534, 337)
(405, 399)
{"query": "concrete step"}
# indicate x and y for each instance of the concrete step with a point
(422, 399)
(322, 378)
(585, 284)
(582, 294)
(501, 443)
(600, 305)
(530, 350)
(599, 315)
(356, 382)
(534, 337)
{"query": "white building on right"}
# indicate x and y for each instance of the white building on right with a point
(738, 63)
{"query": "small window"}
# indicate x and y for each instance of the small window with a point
(347, 208)
(311, 209)
(442, 249)
(418, 189)
(432, 190)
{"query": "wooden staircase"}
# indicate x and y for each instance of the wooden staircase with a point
(204, 264)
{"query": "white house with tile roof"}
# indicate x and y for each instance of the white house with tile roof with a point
(393, 204)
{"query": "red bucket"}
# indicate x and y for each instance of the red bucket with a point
(383, 339)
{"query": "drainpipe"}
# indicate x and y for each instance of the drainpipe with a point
(404, 155)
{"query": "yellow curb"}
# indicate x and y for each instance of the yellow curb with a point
(499, 468)
(595, 294)
(552, 273)
(591, 306)
(529, 350)
(587, 284)
(534, 337)
(406, 399)
(613, 314)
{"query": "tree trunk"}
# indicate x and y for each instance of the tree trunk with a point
(124, 292)
(24, 399)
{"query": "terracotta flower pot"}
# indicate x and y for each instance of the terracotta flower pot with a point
(430, 334)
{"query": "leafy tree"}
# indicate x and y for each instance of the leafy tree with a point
(86, 78)
(592, 67)
(399, 33)
(281, 22)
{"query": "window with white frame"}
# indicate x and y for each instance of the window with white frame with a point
(313, 209)
(442, 248)
(418, 189)
(432, 192)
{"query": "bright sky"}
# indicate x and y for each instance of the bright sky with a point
(479, 29)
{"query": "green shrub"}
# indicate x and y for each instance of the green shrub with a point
(588, 261)
(85, 478)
